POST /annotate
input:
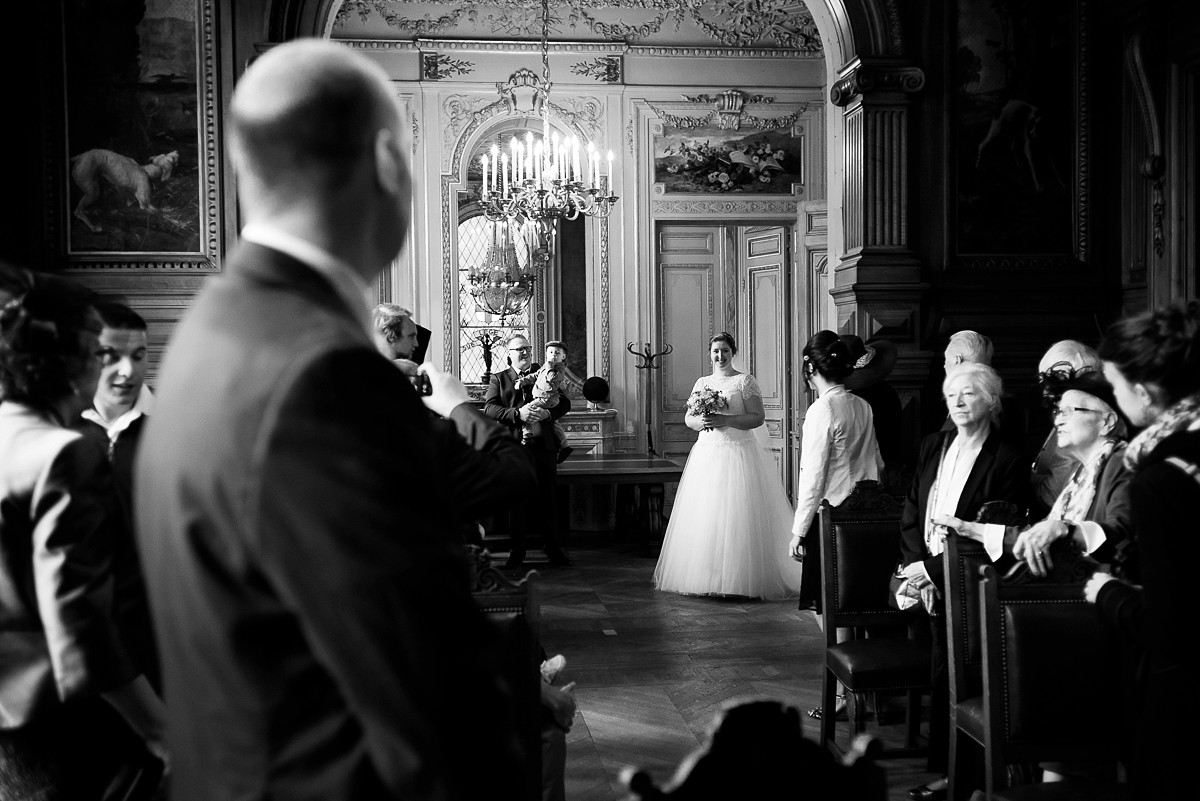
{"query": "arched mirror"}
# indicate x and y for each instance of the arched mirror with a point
(517, 275)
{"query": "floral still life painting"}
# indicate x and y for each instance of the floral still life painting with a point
(709, 161)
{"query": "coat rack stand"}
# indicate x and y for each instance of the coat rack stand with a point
(646, 360)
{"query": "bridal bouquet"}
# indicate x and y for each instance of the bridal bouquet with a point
(706, 401)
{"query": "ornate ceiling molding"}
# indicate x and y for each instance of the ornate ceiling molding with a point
(864, 79)
(733, 23)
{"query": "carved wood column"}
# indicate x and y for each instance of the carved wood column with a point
(877, 283)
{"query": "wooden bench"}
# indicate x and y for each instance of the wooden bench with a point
(639, 479)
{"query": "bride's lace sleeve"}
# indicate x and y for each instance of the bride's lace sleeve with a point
(750, 387)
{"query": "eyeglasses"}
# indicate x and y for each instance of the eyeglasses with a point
(526, 349)
(1067, 410)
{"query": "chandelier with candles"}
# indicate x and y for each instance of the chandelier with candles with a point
(549, 178)
(502, 283)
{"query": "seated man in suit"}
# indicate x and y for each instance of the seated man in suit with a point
(509, 399)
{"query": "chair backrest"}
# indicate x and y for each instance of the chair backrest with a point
(860, 548)
(513, 611)
(961, 561)
(1051, 670)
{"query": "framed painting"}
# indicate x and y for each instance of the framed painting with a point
(1019, 134)
(139, 186)
(711, 160)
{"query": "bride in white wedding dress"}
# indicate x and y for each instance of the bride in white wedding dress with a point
(729, 526)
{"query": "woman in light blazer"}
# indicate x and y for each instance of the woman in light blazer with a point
(75, 709)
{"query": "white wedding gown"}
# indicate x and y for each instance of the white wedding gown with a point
(731, 520)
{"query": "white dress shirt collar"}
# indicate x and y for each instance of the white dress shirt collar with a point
(142, 406)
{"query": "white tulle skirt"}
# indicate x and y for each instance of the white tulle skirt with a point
(730, 524)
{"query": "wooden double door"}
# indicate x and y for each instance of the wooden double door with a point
(733, 278)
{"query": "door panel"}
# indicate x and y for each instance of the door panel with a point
(691, 261)
(762, 278)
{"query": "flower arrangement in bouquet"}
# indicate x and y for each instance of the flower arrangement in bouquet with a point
(706, 400)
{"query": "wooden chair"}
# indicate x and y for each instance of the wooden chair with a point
(513, 610)
(1049, 676)
(860, 546)
(961, 561)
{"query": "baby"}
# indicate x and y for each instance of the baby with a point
(548, 388)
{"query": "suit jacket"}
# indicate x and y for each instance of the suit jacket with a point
(999, 474)
(318, 635)
(59, 639)
(504, 400)
(133, 610)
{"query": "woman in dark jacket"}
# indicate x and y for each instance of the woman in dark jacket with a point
(75, 710)
(1153, 363)
(958, 471)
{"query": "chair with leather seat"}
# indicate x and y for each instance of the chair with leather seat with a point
(1050, 668)
(860, 547)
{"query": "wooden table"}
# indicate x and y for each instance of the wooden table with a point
(643, 475)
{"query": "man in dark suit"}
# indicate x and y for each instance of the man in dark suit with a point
(508, 397)
(318, 635)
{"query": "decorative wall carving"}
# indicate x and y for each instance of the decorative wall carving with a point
(867, 78)
(729, 207)
(606, 69)
(728, 111)
(436, 66)
(459, 111)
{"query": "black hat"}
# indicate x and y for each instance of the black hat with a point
(873, 362)
(1092, 382)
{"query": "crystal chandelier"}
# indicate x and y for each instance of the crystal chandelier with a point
(502, 283)
(549, 178)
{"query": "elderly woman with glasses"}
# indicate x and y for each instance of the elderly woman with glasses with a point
(1051, 467)
(1092, 509)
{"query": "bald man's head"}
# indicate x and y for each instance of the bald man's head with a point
(316, 126)
(310, 109)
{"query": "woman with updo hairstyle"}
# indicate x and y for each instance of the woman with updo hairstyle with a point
(1152, 361)
(75, 709)
(837, 450)
(725, 535)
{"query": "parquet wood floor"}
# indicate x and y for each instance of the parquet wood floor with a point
(652, 669)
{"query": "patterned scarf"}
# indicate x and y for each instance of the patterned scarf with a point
(1076, 498)
(1179, 417)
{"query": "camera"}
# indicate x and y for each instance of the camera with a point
(421, 383)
